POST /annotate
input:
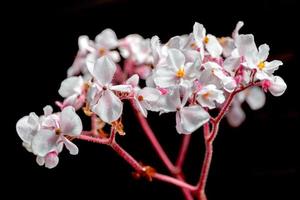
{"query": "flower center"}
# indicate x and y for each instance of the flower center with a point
(180, 73)
(206, 95)
(206, 39)
(104, 88)
(57, 131)
(140, 98)
(102, 51)
(261, 65)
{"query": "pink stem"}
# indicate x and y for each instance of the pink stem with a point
(210, 139)
(183, 151)
(127, 157)
(174, 181)
(151, 136)
(94, 124)
(159, 150)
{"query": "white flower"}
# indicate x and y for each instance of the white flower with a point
(209, 41)
(71, 89)
(108, 106)
(27, 127)
(176, 71)
(145, 98)
(48, 139)
(136, 48)
(214, 74)
(208, 95)
(44, 136)
(275, 85)
(254, 97)
(188, 118)
(256, 58)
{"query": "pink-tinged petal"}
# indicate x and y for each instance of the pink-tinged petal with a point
(192, 117)
(272, 66)
(107, 39)
(229, 84)
(143, 71)
(256, 98)
(73, 149)
(133, 80)
(27, 127)
(155, 47)
(149, 94)
(175, 59)
(84, 44)
(51, 160)
(236, 115)
(179, 128)
(263, 52)
(44, 142)
(199, 33)
(246, 46)
(174, 42)
(213, 46)
(165, 77)
(115, 56)
(70, 86)
(121, 88)
(170, 102)
(48, 110)
(70, 122)
(104, 70)
(90, 62)
(141, 108)
(278, 86)
(235, 33)
(40, 160)
(109, 107)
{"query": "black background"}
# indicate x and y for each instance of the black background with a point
(258, 160)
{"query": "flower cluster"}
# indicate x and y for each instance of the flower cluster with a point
(189, 74)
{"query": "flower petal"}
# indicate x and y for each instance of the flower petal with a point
(109, 107)
(70, 86)
(51, 160)
(256, 98)
(165, 77)
(175, 59)
(263, 52)
(213, 46)
(192, 117)
(121, 88)
(44, 142)
(133, 80)
(149, 94)
(73, 149)
(236, 115)
(70, 122)
(104, 70)
(107, 39)
(27, 127)
(278, 86)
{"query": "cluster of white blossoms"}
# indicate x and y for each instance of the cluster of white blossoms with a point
(190, 75)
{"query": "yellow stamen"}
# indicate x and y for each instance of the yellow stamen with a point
(180, 73)
(222, 40)
(206, 95)
(102, 51)
(193, 45)
(58, 131)
(261, 65)
(206, 39)
(140, 98)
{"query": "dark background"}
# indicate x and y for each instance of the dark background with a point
(258, 160)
